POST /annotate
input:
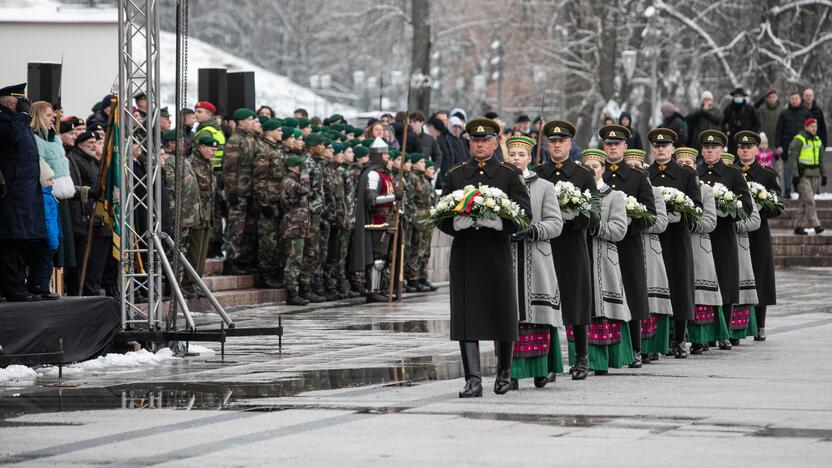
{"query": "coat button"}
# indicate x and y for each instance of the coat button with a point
(557, 173)
(613, 175)
(481, 172)
(709, 172)
(613, 185)
(662, 175)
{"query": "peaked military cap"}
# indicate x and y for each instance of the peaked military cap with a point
(164, 112)
(18, 90)
(482, 127)
(207, 140)
(614, 133)
(662, 136)
(140, 95)
(710, 137)
(558, 129)
(243, 114)
(747, 137)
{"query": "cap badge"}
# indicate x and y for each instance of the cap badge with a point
(660, 137)
(710, 138)
(557, 130)
(480, 129)
(745, 138)
(612, 133)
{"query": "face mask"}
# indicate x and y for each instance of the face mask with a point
(739, 100)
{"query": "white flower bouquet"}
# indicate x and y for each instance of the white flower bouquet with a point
(483, 202)
(766, 199)
(575, 202)
(677, 202)
(636, 210)
(728, 203)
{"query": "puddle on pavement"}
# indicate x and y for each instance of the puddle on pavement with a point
(406, 326)
(215, 396)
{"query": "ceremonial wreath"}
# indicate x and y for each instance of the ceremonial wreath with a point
(483, 202)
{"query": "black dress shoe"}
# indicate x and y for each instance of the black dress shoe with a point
(428, 285)
(706, 347)
(376, 298)
(502, 384)
(541, 382)
(472, 389)
(761, 335)
(636, 364)
(654, 356)
(581, 369)
(515, 384)
(25, 297)
(819, 229)
(680, 351)
(697, 348)
(735, 342)
(800, 232)
(645, 358)
(45, 296)
(725, 345)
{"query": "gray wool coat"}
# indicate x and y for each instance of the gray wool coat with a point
(748, 285)
(537, 289)
(607, 286)
(658, 288)
(704, 270)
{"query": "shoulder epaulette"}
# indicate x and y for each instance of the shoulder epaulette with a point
(510, 166)
(455, 168)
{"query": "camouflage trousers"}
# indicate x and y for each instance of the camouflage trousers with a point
(218, 215)
(268, 244)
(336, 259)
(293, 271)
(412, 242)
(324, 249)
(311, 254)
(241, 233)
(424, 250)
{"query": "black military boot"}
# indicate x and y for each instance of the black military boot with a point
(680, 350)
(761, 335)
(266, 281)
(502, 384)
(697, 348)
(231, 267)
(311, 297)
(295, 300)
(541, 382)
(645, 358)
(471, 366)
(581, 368)
(409, 287)
(734, 342)
(725, 345)
(420, 287)
(636, 364)
(428, 284)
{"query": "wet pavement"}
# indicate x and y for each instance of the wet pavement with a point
(376, 385)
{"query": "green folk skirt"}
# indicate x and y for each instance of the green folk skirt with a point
(743, 315)
(604, 357)
(540, 366)
(655, 334)
(706, 333)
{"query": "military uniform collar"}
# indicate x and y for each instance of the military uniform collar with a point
(489, 168)
(716, 167)
(621, 168)
(750, 167)
(671, 169)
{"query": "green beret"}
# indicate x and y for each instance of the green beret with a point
(353, 143)
(243, 114)
(315, 139)
(394, 154)
(263, 119)
(337, 148)
(293, 161)
(290, 122)
(280, 122)
(361, 151)
(316, 128)
(416, 157)
(288, 132)
(335, 118)
(96, 107)
(207, 139)
(338, 127)
(169, 135)
(303, 123)
(428, 163)
(367, 142)
(297, 133)
(271, 124)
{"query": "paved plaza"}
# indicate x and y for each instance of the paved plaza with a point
(376, 385)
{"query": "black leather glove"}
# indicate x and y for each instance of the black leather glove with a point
(522, 235)
(399, 194)
(232, 198)
(267, 210)
(823, 181)
(23, 105)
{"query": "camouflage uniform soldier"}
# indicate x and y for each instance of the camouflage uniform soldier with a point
(336, 207)
(345, 160)
(210, 124)
(420, 194)
(311, 274)
(237, 168)
(267, 176)
(427, 234)
(294, 226)
(199, 235)
(189, 198)
(328, 220)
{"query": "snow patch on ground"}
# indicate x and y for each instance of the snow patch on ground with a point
(818, 196)
(13, 374)
(202, 351)
(112, 362)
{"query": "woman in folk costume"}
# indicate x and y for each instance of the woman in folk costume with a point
(608, 334)
(537, 351)
(743, 319)
(708, 325)
(655, 330)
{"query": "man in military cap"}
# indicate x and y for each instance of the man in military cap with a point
(675, 240)
(310, 278)
(196, 248)
(483, 294)
(21, 207)
(806, 165)
(570, 250)
(724, 236)
(71, 127)
(427, 229)
(374, 210)
(294, 226)
(336, 198)
(421, 195)
(237, 170)
(762, 256)
(210, 123)
(267, 175)
(633, 182)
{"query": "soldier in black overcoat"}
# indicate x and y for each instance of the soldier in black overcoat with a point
(482, 282)
(762, 256)
(675, 240)
(634, 183)
(570, 252)
(724, 237)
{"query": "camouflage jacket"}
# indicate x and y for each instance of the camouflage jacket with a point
(268, 173)
(207, 184)
(238, 162)
(312, 172)
(408, 205)
(423, 193)
(335, 197)
(294, 203)
(350, 183)
(189, 198)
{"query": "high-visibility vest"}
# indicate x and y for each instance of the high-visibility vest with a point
(810, 152)
(216, 161)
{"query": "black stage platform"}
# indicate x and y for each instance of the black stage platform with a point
(82, 327)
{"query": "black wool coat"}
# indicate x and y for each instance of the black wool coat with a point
(762, 255)
(724, 237)
(631, 257)
(21, 210)
(675, 240)
(570, 251)
(483, 283)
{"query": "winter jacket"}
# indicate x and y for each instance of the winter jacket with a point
(427, 145)
(677, 123)
(50, 215)
(52, 151)
(700, 120)
(84, 170)
(789, 124)
(817, 113)
(768, 119)
(21, 210)
(739, 117)
(634, 142)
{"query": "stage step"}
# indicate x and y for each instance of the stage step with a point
(213, 266)
(229, 283)
(239, 297)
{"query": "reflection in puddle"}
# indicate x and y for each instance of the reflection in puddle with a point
(407, 326)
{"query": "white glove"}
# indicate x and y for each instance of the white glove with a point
(495, 224)
(567, 215)
(721, 213)
(462, 222)
(673, 217)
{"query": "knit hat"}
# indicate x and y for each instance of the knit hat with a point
(45, 172)
(706, 95)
